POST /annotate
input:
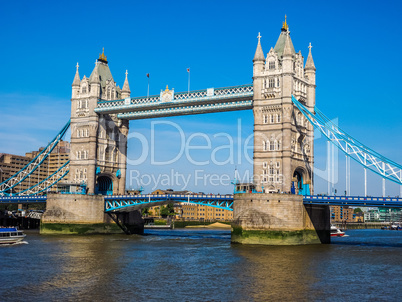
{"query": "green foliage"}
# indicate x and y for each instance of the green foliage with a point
(167, 210)
(160, 222)
(357, 210)
(145, 211)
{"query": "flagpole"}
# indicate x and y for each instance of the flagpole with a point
(148, 85)
(188, 91)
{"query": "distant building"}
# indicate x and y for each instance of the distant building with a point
(191, 211)
(342, 213)
(383, 215)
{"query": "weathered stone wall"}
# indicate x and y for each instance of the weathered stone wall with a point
(277, 219)
(70, 208)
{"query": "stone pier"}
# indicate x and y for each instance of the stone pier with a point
(76, 214)
(278, 219)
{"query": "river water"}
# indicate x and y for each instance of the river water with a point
(200, 265)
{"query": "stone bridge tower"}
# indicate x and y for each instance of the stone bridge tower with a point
(283, 138)
(98, 141)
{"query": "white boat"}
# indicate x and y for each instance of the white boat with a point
(11, 235)
(336, 232)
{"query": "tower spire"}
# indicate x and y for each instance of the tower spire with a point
(76, 81)
(285, 26)
(102, 57)
(125, 92)
(310, 62)
(259, 54)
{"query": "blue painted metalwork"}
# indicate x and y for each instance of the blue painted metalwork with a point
(356, 150)
(133, 202)
(354, 201)
(48, 182)
(21, 175)
(194, 102)
(23, 199)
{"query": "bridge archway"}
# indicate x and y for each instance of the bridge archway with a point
(104, 185)
(300, 181)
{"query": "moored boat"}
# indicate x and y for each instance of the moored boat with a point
(11, 235)
(336, 232)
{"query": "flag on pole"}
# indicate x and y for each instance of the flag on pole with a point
(148, 85)
(188, 90)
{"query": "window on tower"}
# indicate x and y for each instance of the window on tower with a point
(271, 83)
(271, 65)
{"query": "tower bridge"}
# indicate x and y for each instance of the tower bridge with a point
(282, 97)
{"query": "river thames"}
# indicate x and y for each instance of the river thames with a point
(200, 265)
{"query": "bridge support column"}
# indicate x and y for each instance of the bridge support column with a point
(278, 219)
(76, 214)
(129, 222)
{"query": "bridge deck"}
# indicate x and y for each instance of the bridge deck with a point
(132, 202)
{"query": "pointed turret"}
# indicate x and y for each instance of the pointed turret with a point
(94, 81)
(76, 81)
(94, 77)
(284, 38)
(310, 74)
(258, 68)
(76, 84)
(125, 92)
(310, 62)
(259, 54)
(288, 50)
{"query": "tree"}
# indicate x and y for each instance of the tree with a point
(357, 210)
(167, 210)
(145, 211)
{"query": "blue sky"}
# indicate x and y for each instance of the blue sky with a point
(356, 47)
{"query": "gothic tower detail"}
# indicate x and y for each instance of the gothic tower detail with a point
(283, 139)
(98, 141)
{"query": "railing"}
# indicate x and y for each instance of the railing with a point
(198, 97)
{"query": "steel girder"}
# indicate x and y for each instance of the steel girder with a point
(356, 150)
(134, 202)
(47, 183)
(33, 165)
(23, 199)
(360, 201)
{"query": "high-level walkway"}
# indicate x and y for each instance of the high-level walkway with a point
(182, 103)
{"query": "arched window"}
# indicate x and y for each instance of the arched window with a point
(78, 133)
(268, 145)
(271, 117)
(271, 147)
(86, 132)
(265, 119)
(278, 118)
(264, 146)
(277, 82)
